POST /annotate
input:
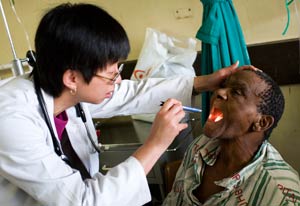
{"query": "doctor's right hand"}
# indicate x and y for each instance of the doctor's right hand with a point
(165, 128)
(166, 125)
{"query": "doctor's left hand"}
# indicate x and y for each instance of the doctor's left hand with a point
(212, 81)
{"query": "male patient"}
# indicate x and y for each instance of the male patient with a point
(233, 163)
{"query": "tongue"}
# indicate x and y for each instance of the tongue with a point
(215, 115)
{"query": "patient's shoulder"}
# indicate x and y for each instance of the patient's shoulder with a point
(279, 171)
(274, 163)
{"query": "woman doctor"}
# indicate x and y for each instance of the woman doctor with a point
(46, 157)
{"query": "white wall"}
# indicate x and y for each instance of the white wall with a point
(261, 21)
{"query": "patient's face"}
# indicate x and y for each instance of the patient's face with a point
(234, 106)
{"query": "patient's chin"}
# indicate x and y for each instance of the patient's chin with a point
(209, 132)
(213, 128)
(212, 133)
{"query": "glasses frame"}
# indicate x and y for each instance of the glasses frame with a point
(112, 80)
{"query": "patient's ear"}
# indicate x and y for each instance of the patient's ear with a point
(263, 123)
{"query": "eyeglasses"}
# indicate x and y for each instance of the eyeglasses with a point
(112, 80)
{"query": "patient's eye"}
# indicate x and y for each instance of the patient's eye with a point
(235, 91)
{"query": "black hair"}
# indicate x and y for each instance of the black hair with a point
(272, 101)
(80, 37)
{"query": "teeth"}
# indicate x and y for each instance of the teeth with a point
(215, 115)
(218, 118)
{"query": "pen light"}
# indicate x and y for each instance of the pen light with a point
(187, 109)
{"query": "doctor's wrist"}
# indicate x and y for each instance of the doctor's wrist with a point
(195, 92)
(197, 86)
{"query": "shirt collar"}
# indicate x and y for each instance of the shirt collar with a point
(209, 152)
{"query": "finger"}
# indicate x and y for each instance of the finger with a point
(236, 64)
(249, 67)
(182, 126)
(176, 114)
(169, 104)
(178, 124)
(173, 109)
(233, 66)
(227, 71)
(179, 115)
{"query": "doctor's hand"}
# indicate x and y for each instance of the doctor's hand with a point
(212, 81)
(166, 125)
(165, 128)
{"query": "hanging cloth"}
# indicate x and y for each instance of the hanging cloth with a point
(222, 41)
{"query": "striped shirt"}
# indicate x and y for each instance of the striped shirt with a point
(266, 180)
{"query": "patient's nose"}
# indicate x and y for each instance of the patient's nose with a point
(221, 93)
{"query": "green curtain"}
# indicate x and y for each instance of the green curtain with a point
(222, 41)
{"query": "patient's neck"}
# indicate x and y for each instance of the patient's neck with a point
(237, 153)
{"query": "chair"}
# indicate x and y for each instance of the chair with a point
(170, 173)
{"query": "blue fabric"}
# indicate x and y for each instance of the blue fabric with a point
(222, 41)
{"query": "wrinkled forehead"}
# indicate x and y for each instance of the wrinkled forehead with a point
(249, 79)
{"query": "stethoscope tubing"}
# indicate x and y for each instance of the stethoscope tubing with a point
(57, 147)
(80, 112)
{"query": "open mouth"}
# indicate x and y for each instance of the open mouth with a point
(215, 115)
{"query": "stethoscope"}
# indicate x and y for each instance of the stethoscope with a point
(79, 112)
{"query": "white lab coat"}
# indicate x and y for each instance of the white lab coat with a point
(32, 174)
